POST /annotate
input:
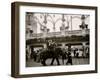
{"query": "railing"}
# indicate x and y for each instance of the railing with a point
(59, 34)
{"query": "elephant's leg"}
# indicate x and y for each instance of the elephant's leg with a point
(52, 61)
(58, 63)
(63, 61)
(44, 62)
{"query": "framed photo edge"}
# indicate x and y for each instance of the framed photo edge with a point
(15, 38)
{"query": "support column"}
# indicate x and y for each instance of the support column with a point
(63, 45)
(44, 45)
(84, 49)
(29, 52)
(69, 47)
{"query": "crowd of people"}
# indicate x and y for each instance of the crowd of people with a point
(57, 53)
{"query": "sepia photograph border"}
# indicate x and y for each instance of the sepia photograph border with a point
(15, 38)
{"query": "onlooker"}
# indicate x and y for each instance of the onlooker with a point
(69, 61)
